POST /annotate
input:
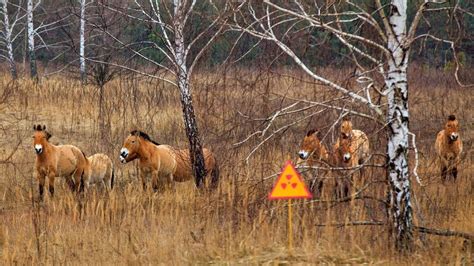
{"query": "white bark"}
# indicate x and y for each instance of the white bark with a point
(31, 38)
(182, 75)
(8, 40)
(82, 59)
(398, 117)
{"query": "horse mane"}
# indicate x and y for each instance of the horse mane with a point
(144, 136)
(451, 117)
(39, 128)
(311, 132)
(346, 118)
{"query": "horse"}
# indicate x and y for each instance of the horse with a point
(164, 163)
(101, 170)
(448, 147)
(350, 150)
(358, 152)
(313, 153)
(53, 161)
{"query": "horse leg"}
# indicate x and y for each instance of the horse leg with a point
(454, 172)
(154, 181)
(143, 178)
(51, 178)
(41, 180)
(444, 173)
(78, 182)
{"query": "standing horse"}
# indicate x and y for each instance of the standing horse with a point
(448, 147)
(313, 153)
(164, 163)
(64, 161)
(350, 150)
(102, 170)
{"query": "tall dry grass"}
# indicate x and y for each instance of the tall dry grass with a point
(236, 224)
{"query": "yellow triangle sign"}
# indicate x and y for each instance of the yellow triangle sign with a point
(289, 185)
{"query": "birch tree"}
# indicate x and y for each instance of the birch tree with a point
(82, 59)
(9, 33)
(30, 6)
(385, 54)
(181, 47)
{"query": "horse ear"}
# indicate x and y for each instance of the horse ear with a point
(34, 127)
(44, 127)
(346, 118)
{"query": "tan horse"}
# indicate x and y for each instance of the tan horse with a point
(164, 163)
(448, 147)
(52, 161)
(350, 150)
(358, 152)
(102, 170)
(313, 153)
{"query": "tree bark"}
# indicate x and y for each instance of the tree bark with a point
(31, 40)
(82, 58)
(400, 211)
(196, 154)
(8, 40)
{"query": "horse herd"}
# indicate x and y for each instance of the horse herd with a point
(166, 165)
(162, 163)
(351, 152)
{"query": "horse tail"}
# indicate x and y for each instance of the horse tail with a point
(112, 179)
(215, 176)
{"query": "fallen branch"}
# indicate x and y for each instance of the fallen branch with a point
(356, 223)
(444, 232)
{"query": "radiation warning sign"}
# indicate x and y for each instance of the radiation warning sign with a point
(289, 185)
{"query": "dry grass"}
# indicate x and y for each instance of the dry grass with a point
(235, 225)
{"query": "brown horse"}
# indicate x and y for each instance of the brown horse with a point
(102, 170)
(164, 163)
(448, 147)
(64, 161)
(313, 153)
(350, 150)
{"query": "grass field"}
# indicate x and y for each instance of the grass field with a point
(235, 224)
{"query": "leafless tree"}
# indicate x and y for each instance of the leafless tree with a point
(182, 48)
(383, 54)
(10, 32)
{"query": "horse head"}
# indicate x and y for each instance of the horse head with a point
(130, 147)
(452, 128)
(344, 151)
(40, 138)
(346, 128)
(310, 144)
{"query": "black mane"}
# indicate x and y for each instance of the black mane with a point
(451, 117)
(144, 136)
(311, 132)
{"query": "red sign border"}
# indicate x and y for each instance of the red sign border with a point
(270, 197)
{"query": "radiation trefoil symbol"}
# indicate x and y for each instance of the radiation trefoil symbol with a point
(289, 185)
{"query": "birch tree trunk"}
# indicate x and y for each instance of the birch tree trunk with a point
(192, 133)
(31, 39)
(400, 211)
(82, 59)
(8, 40)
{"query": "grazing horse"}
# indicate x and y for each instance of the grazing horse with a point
(102, 170)
(164, 163)
(313, 153)
(448, 147)
(64, 161)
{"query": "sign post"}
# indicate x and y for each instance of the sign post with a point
(288, 186)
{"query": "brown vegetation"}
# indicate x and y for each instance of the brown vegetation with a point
(236, 223)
